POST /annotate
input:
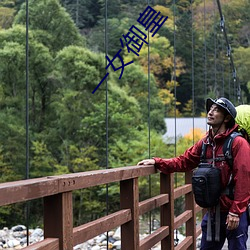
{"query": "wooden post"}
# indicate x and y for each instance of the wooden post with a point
(190, 205)
(58, 219)
(167, 210)
(129, 197)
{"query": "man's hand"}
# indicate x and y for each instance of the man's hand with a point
(232, 221)
(146, 162)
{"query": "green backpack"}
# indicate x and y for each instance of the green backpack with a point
(243, 120)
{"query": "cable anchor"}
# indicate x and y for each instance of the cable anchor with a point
(229, 51)
(234, 75)
(222, 24)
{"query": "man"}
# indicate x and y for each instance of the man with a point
(221, 115)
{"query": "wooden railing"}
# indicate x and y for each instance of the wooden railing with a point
(59, 232)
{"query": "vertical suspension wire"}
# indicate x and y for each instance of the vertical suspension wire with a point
(107, 113)
(27, 88)
(174, 73)
(175, 95)
(27, 206)
(149, 128)
(205, 50)
(192, 74)
(174, 79)
(215, 50)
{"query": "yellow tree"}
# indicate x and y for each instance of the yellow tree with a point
(6, 17)
(160, 60)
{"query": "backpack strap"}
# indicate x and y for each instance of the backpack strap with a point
(203, 155)
(227, 148)
(227, 151)
(203, 152)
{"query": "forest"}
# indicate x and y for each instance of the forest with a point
(72, 130)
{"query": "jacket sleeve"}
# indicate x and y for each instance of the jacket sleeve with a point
(241, 175)
(185, 162)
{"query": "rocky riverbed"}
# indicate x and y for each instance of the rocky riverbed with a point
(16, 238)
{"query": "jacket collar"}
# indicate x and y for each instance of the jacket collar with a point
(221, 136)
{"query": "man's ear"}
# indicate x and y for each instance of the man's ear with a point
(228, 118)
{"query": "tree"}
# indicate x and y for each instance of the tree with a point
(42, 163)
(13, 148)
(53, 25)
(6, 17)
(82, 115)
(242, 65)
(12, 125)
(40, 67)
(135, 81)
(116, 27)
(161, 66)
(84, 13)
(237, 20)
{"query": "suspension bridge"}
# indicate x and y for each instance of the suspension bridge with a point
(56, 192)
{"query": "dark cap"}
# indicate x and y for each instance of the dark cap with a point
(223, 103)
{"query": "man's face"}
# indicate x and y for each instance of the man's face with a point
(215, 116)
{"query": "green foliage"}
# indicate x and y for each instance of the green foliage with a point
(42, 162)
(237, 13)
(242, 63)
(116, 27)
(81, 160)
(6, 169)
(6, 17)
(12, 68)
(12, 149)
(53, 25)
(84, 13)
(7, 212)
(129, 152)
(135, 82)
(132, 151)
(87, 206)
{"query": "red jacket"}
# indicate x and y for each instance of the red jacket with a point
(241, 167)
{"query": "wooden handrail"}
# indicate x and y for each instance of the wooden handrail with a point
(24, 190)
(90, 230)
(56, 191)
(46, 244)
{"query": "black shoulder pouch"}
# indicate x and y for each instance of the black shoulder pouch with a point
(206, 183)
